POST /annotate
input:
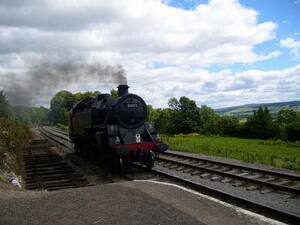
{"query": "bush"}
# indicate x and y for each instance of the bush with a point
(291, 131)
(12, 135)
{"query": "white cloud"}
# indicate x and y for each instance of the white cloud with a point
(222, 32)
(292, 45)
(218, 89)
(138, 33)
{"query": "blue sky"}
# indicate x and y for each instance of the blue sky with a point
(216, 52)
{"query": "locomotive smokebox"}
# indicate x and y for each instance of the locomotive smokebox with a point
(122, 89)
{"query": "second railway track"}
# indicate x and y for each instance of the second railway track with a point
(251, 178)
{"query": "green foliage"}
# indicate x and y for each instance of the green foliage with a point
(286, 116)
(60, 106)
(62, 127)
(114, 93)
(63, 99)
(62, 103)
(228, 125)
(12, 135)
(30, 115)
(162, 120)
(183, 115)
(23, 114)
(276, 153)
(260, 125)
(289, 124)
(84, 95)
(208, 120)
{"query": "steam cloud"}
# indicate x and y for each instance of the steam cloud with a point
(41, 80)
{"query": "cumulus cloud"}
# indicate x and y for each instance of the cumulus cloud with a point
(292, 45)
(211, 33)
(220, 89)
(136, 34)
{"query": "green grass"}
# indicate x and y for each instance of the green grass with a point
(62, 127)
(271, 152)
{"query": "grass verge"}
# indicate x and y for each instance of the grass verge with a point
(271, 152)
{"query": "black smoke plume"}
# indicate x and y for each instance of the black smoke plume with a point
(41, 80)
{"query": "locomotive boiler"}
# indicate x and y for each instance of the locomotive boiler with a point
(115, 128)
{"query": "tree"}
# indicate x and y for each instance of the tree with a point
(286, 116)
(292, 131)
(63, 102)
(60, 105)
(183, 115)
(208, 120)
(173, 104)
(289, 121)
(228, 125)
(114, 93)
(84, 95)
(162, 119)
(260, 125)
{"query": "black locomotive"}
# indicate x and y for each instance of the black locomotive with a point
(115, 128)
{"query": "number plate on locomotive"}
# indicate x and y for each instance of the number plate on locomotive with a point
(138, 138)
(132, 105)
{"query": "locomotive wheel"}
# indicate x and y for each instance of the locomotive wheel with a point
(120, 166)
(150, 160)
(79, 149)
(121, 163)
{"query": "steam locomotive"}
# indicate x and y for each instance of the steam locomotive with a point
(115, 128)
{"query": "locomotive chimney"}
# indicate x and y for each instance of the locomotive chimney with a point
(122, 89)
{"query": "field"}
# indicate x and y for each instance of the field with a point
(245, 110)
(271, 152)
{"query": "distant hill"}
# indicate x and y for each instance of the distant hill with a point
(245, 110)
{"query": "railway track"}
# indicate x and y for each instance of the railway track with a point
(273, 212)
(46, 170)
(59, 137)
(58, 130)
(251, 178)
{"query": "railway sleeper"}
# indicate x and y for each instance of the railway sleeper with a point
(64, 181)
(35, 161)
(43, 159)
(48, 167)
(55, 176)
(40, 165)
(45, 173)
(57, 183)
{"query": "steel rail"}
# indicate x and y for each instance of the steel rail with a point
(56, 139)
(234, 176)
(241, 167)
(234, 199)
